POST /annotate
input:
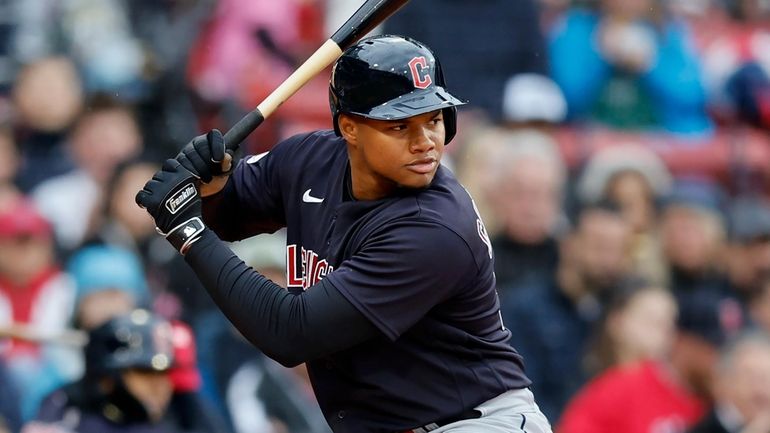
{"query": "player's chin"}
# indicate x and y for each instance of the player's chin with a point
(417, 181)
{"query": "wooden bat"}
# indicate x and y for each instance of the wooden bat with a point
(367, 17)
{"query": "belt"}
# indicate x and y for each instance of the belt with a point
(468, 414)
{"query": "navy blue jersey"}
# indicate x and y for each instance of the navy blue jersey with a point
(418, 265)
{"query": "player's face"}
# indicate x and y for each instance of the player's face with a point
(386, 155)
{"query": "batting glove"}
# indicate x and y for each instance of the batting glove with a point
(172, 199)
(203, 156)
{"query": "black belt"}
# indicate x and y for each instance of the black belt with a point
(468, 414)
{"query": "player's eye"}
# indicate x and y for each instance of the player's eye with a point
(399, 127)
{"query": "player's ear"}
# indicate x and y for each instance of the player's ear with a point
(348, 128)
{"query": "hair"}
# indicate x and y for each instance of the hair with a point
(754, 337)
(602, 351)
(100, 103)
(523, 144)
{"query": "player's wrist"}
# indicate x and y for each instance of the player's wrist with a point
(216, 185)
(185, 234)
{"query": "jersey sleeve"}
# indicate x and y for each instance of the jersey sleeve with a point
(404, 271)
(252, 201)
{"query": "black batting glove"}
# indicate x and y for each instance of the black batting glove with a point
(173, 201)
(203, 156)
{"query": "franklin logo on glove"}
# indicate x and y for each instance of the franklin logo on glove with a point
(181, 198)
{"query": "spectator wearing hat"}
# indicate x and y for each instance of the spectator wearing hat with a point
(109, 281)
(636, 179)
(748, 253)
(126, 386)
(37, 297)
(742, 388)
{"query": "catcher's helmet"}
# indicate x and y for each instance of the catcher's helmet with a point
(388, 77)
(138, 339)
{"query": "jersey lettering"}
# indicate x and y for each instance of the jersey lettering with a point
(480, 228)
(310, 271)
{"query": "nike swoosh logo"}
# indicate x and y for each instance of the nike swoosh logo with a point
(307, 198)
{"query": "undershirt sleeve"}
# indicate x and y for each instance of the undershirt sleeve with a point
(288, 328)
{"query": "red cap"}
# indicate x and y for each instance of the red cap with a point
(21, 217)
(184, 374)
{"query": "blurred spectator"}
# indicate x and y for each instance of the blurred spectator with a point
(245, 51)
(166, 112)
(693, 235)
(532, 99)
(10, 162)
(519, 178)
(736, 61)
(177, 293)
(552, 322)
(638, 390)
(34, 294)
(193, 411)
(7, 61)
(742, 388)
(693, 242)
(634, 178)
(638, 68)
(126, 387)
(10, 415)
(638, 324)
(105, 135)
(257, 394)
(110, 281)
(748, 255)
(480, 69)
(43, 126)
(759, 305)
(93, 33)
(704, 325)
(121, 222)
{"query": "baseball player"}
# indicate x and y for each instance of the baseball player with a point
(391, 296)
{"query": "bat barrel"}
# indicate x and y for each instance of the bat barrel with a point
(366, 18)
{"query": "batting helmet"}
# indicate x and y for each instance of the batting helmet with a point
(135, 340)
(388, 77)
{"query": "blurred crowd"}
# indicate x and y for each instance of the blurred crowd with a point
(618, 151)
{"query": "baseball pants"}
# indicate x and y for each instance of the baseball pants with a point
(511, 412)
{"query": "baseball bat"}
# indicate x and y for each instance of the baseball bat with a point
(367, 17)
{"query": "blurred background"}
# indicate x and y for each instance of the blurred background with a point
(618, 151)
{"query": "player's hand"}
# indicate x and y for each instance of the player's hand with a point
(172, 199)
(207, 158)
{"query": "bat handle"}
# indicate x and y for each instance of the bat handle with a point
(235, 135)
(323, 57)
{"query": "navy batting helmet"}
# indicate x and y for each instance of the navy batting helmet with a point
(388, 77)
(139, 339)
